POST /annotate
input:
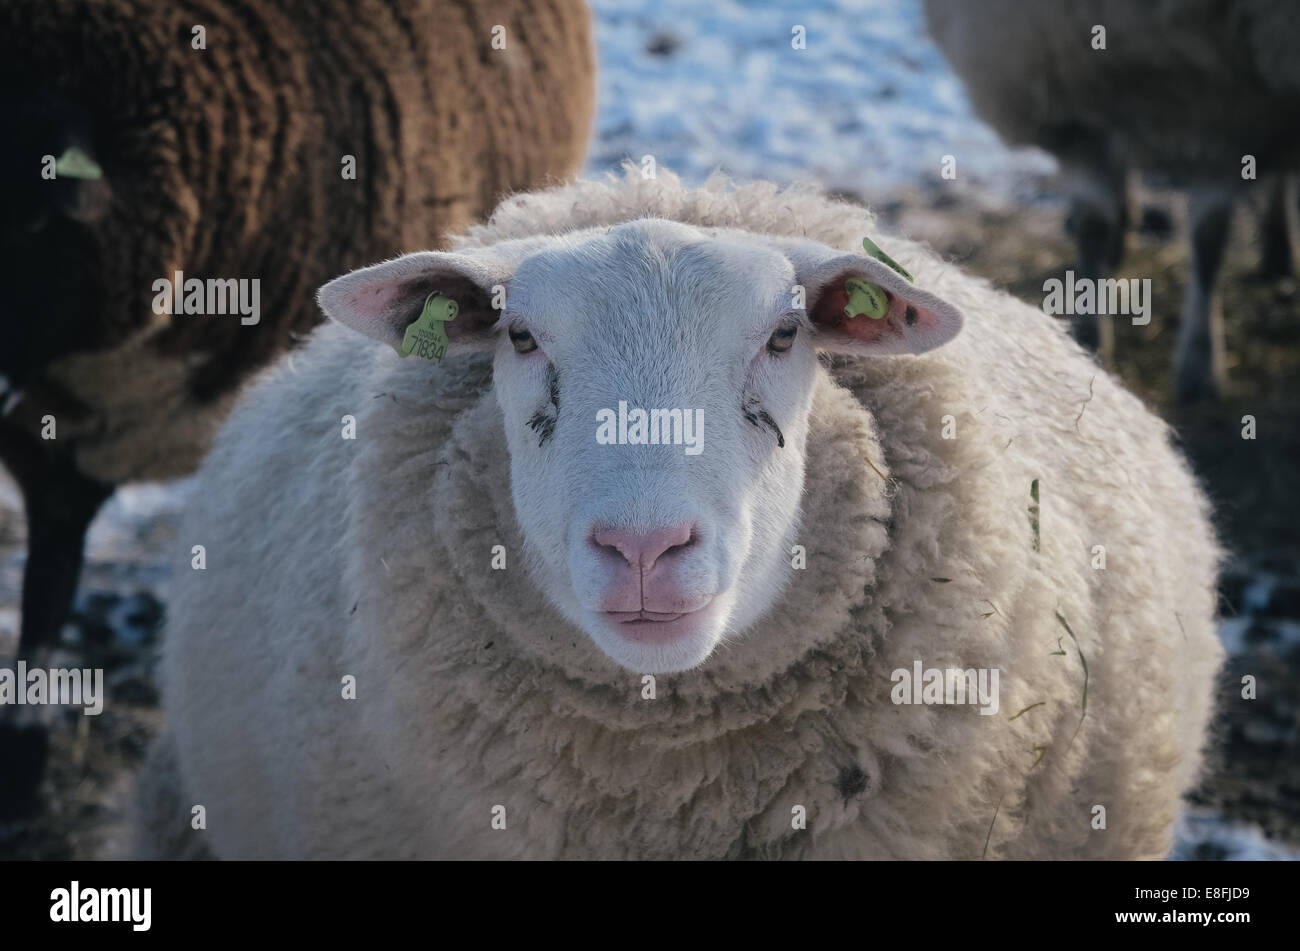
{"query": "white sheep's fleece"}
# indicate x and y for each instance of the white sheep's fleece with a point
(369, 557)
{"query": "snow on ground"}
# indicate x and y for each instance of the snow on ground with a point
(1202, 835)
(868, 104)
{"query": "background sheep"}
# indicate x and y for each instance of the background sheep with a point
(1183, 88)
(223, 156)
(512, 694)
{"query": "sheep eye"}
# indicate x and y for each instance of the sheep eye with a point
(522, 339)
(782, 338)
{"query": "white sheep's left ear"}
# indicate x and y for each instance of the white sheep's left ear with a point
(381, 301)
(914, 320)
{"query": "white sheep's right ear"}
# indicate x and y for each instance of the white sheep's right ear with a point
(381, 301)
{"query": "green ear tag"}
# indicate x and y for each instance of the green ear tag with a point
(74, 163)
(426, 336)
(866, 299)
(874, 251)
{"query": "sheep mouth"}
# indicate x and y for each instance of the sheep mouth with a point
(627, 617)
(656, 627)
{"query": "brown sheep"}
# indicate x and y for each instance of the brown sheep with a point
(215, 139)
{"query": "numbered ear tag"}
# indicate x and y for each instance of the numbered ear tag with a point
(427, 336)
(867, 299)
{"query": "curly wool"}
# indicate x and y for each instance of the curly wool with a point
(226, 162)
(370, 557)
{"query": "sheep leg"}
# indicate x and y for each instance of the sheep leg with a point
(60, 503)
(1280, 255)
(1199, 354)
(1098, 219)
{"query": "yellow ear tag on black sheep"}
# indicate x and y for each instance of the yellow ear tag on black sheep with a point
(867, 299)
(426, 336)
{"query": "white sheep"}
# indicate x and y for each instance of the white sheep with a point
(492, 582)
(1198, 91)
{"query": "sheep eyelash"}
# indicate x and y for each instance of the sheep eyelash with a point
(800, 317)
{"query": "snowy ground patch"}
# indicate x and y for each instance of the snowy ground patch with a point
(869, 102)
(1202, 835)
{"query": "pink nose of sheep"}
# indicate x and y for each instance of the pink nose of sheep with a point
(646, 577)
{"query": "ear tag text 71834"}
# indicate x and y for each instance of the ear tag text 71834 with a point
(426, 336)
(865, 298)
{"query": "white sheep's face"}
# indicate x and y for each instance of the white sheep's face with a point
(655, 381)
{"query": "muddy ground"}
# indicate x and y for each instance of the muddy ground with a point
(1254, 777)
